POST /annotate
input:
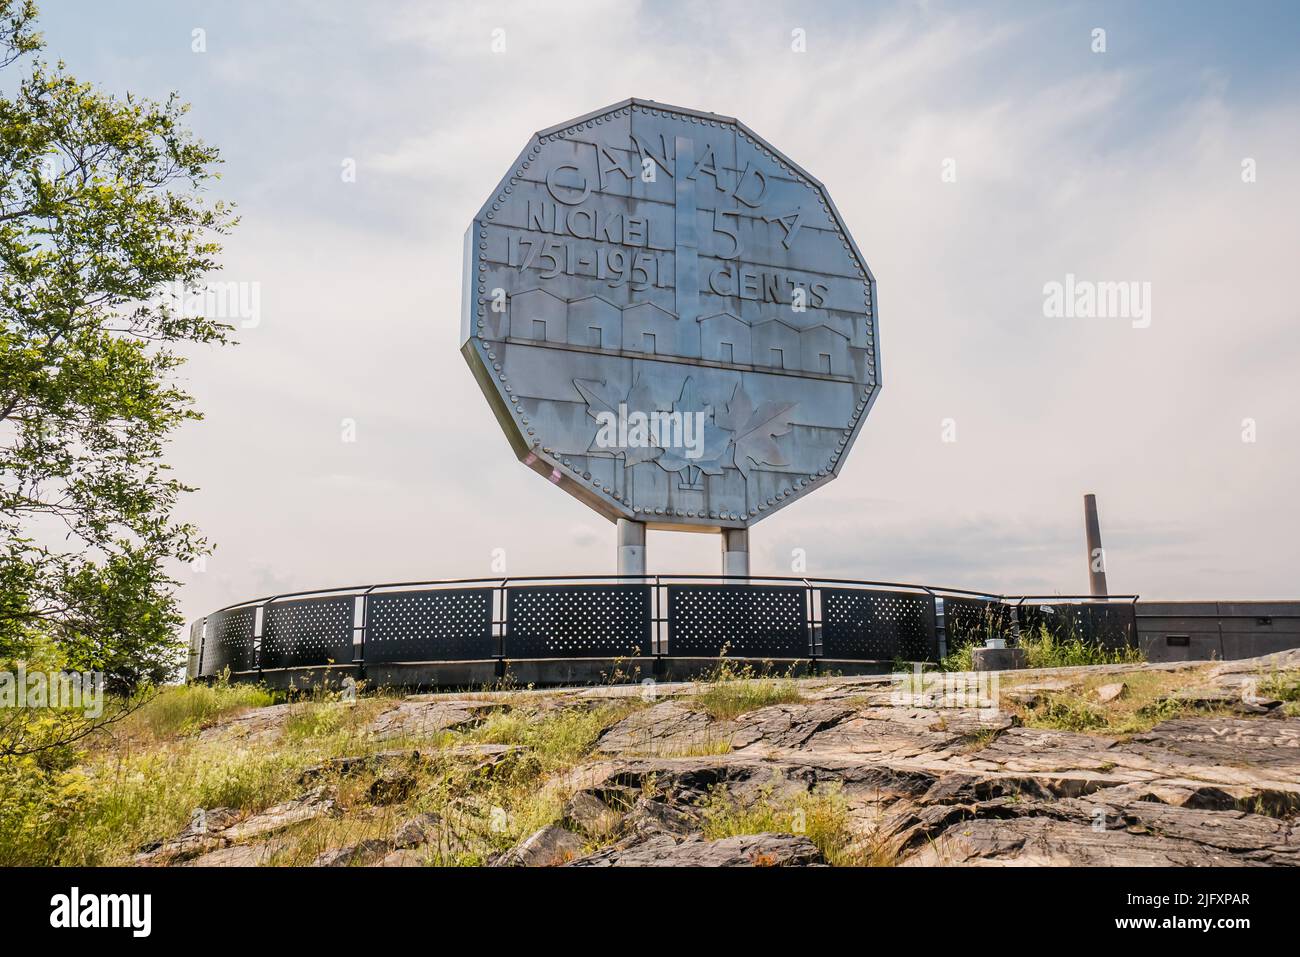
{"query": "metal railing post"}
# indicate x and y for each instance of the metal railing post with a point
(1015, 620)
(810, 622)
(360, 633)
(502, 630)
(657, 643)
(259, 628)
(203, 645)
(938, 624)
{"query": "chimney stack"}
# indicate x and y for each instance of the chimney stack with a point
(1096, 554)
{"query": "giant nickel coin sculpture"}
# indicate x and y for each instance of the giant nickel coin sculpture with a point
(669, 318)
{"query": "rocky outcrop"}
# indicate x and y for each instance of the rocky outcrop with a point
(355, 763)
(1103, 832)
(354, 855)
(937, 784)
(749, 850)
(421, 716)
(418, 830)
(667, 728)
(590, 814)
(406, 847)
(917, 776)
(545, 848)
(315, 803)
(210, 835)
(786, 726)
(253, 726)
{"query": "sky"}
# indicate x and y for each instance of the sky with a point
(978, 153)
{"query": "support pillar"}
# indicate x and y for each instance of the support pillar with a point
(1096, 554)
(631, 547)
(735, 551)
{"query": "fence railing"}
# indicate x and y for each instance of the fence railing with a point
(683, 616)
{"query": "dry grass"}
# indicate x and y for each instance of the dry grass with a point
(183, 710)
(822, 816)
(1045, 649)
(732, 690)
(707, 746)
(142, 780)
(1142, 706)
(1283, 686)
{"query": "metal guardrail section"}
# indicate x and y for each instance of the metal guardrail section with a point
(863, 624)
(763, 618)
(971, 620)
(577, 621)
(310, 631)
(1109, 625)
(452, 624)
(228, 642)
(740, 621)
(194, 663)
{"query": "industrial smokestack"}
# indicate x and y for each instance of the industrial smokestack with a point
(1096, 554)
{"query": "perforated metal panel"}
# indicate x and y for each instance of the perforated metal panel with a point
(313, 631)
(858, 624)
(229, 642)
(1111, 625)
(440, 625)
(577, 621)
(743, 621)
(972, 620)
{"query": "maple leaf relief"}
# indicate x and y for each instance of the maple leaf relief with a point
(753, 430)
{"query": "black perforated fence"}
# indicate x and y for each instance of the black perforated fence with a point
(578, 621)
(862, 624)
(738, 621)
(313, 631)
(452, 624)
(970, 621)
(769, 619)
(228, 642)
(1109, 625)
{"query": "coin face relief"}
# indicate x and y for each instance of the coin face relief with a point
(668, 317)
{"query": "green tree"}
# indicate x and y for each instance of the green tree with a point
(104, 225)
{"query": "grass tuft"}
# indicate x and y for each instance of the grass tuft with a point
(1045, 649)
(821, 816)
(185, 709)
(1283, 686)
(1144, 704)
(732, 690)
